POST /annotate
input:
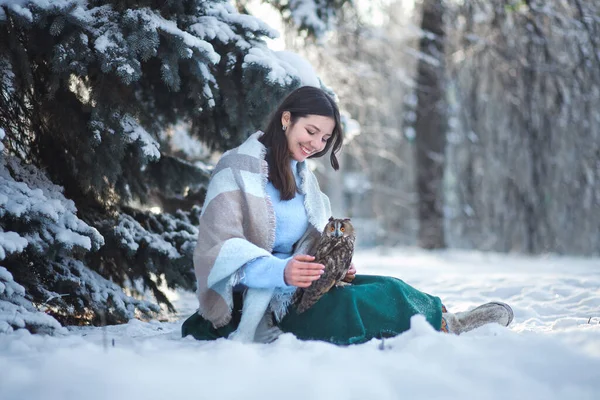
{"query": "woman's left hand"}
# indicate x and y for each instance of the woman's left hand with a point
(351, 274)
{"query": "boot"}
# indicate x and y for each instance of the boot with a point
(462, 322)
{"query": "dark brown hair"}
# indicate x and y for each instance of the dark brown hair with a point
(302, 102)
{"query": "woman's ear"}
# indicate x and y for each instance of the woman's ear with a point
(286, 117)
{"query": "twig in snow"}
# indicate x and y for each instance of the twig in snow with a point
(103, 323)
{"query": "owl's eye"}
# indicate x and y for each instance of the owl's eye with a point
(331, 228)
(342, 229)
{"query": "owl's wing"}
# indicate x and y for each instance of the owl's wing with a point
(314, 292)
(343, 259)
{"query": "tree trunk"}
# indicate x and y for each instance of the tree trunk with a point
(430, 127)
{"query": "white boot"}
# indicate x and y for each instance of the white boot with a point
(462, 322)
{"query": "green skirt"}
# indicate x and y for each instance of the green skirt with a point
(371, 307)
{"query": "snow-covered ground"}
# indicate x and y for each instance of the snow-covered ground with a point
(551, 351)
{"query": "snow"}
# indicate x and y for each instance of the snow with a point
(20, 317)
(221, 22)
(24, 12)
(70, 239)
(9, 286)
(300, 67)
(18, 312)
(18, 6)
(131, 233)
(27, 193)
(135, 132)
(155, 21)
(551, 351)
(278, 70)
(283, 66)
(11, 242)
(180, 140)
(206, 90)
(103, 43)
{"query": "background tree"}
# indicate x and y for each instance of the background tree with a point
(523, 169)
(430, 125)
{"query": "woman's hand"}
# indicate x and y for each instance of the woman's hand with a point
(351, 274)
(301, 272)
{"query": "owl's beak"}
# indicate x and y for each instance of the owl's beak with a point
(338, 233)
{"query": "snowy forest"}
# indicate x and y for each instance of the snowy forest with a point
(469, 124)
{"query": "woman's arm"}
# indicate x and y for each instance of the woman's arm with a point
(264, 272)
(268, 272)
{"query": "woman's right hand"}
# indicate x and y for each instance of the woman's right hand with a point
(301, 272)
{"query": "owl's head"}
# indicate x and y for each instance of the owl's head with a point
(339, 228)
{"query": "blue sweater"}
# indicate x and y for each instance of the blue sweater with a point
(291, 221)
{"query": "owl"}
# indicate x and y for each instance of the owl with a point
(334, 251)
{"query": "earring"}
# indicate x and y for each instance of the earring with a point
(284, 127)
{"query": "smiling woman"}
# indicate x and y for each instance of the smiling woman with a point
(311, 122)
(260, 225)
(308, 135)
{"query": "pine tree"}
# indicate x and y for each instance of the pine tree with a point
(89, 92)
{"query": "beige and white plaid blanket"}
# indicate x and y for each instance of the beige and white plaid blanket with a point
(237, 225)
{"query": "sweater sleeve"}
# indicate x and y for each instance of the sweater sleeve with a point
(264, 272)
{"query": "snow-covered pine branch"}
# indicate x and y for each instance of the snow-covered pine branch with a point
(41, 243)
(16, 312)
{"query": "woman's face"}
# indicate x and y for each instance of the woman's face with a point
(308, 135)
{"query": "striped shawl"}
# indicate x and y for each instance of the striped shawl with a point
(237, 225)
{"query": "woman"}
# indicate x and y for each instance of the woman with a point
(262, 217)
